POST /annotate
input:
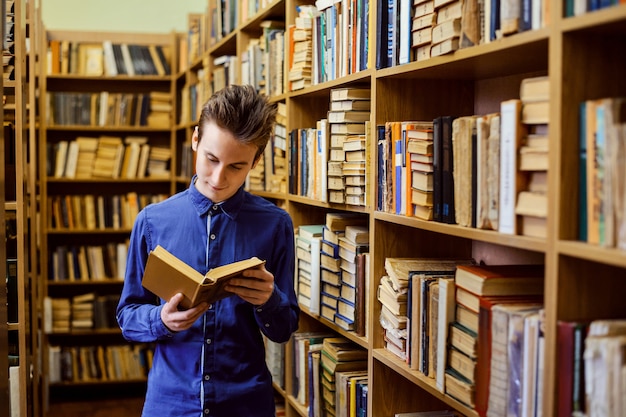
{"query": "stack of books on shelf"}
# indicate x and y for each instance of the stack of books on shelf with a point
(446, 32)
(330, 262)
(470, 372)
(602, 212)
(416, 194)
(353, 247)
(159, 162)
(348, 107)
(308, 247)
(83, 311)
(339, 355)
(160, 115)
(58, 315)
(423, 20)
(300, 48)
(109, 157)
(354, 168)
(532, 203)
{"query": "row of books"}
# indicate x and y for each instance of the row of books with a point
(88, 262)
(330, 375)
(484, 171)
(475, 330)
(109, 109)
(336, 41)
(91, 212)
(88, 311)
(98, 363)
(107, 157)
(421, 29)
(107, 58)
(332, 269)
(602, 208)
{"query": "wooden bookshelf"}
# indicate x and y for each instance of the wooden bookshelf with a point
(572, 51)
(19, 201)
(119, 190)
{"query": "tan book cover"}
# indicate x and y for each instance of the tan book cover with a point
(166, 275)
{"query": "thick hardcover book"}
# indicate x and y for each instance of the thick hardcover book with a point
(493, 280)
(166, 275)
(570, 347)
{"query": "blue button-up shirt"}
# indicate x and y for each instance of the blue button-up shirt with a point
(217, 367)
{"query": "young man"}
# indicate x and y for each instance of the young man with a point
(210, 360)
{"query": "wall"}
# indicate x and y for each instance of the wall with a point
(156, 16)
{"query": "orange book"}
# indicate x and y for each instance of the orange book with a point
(55, 58)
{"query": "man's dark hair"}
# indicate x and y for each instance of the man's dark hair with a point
(244, 112)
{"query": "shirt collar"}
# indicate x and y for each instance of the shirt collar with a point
(202, 204)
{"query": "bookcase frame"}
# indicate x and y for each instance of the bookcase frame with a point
(582, 281)
(19, 109)
(50, 187)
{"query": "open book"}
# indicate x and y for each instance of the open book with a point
(166, 275)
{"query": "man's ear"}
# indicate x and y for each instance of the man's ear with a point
(194, 139)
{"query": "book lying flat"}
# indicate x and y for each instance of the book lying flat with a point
(166, 275)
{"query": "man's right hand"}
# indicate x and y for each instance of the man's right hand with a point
(178, 320)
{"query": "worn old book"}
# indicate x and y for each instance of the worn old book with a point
(535, 89)
(501, 279)
(166, 275)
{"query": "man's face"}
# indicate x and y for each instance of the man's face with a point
(222, 162)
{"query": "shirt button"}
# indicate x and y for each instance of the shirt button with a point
(259, 310)
(207, 377)
(208, 341)
(212, 236)
(215, 207)
(206, 411)
(267, 325)
(210, 306)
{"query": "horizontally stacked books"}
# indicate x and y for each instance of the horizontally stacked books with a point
(532, 202)
(343, 267)
(498, 309)
(301, 48)
(348, 117)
